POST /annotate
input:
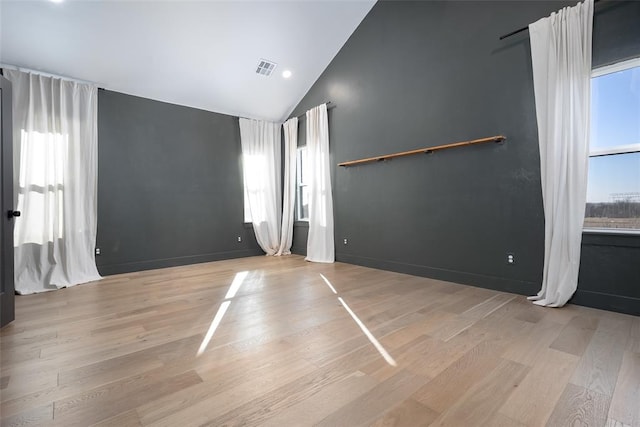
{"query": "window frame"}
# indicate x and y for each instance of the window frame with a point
(300, 184)
(615, 150)
(246, 213)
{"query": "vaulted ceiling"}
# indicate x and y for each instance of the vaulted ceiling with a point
(201, 54)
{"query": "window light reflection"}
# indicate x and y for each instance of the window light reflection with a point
(328, 283)
(387, 357)
(214, 325)
(231, 292)
(235, 285)
(383, 352)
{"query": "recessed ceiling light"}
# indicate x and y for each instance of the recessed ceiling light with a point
(56, 1)
(286, 74)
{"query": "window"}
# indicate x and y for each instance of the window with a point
(247, 211)
(255, 171)
(43, 160)
(302, 188)
(613, 190)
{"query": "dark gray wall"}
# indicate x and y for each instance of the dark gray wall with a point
(417, 74)
(169, 185)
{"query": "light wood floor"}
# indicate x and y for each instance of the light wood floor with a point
(123, 352)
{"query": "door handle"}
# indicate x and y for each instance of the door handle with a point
(11, 213)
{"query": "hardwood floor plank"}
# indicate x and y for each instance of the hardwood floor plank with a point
(625, 404)
(337, 350)
(502, 324)
(576, 335)
(220, 393)
(528, 347)
(310, 411)
(63, 391)
(112, 369)
(443, 354)
(635, 326)
(396, 324)
(451, 384)
(567, 314)
(616, 322)
(407, 414)
(598, 368)
(11, 407)
(11, 359)
(25, 383)
(532, 313)
(372, 404)
(487, 307)
(453, 327)
(409, 357)
(263, 403)
(535, 398)
(580, 406)
(105, 402)
(501, 420)
(482, 400)
(26, 339)
(125, 419)
(429, 323)
(615, 423)
(471, 297)
(40, 416)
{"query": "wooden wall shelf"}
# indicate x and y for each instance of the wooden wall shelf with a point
(426, 150)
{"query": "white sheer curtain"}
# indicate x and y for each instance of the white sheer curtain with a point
(320, 244)
(290, 146)
(561, 56)
(56, 161)
(261, 170)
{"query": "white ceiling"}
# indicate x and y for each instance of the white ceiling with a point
(199, 54)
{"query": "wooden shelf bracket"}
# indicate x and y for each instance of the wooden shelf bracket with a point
(426, 150)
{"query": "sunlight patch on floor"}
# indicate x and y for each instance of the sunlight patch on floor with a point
(383, 352)
(233, 290)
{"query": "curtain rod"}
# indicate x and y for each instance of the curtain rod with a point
(329, 106)
(519, 30)
(44, 73)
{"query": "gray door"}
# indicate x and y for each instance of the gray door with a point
(7, 310)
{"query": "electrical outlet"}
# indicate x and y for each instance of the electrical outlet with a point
(239, 239)
(97, 251)
(511, 259)
(344, 241)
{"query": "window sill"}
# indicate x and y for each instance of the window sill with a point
(295, 224)
(612, 231)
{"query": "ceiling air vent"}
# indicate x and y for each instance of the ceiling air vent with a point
(266, 67)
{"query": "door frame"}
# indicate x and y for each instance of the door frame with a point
(7, 286)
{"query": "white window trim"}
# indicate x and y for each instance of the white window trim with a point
(602, 71)
(299, 185)
(614, 68)
(621, 149)
(617, 231)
